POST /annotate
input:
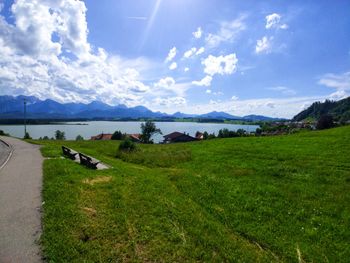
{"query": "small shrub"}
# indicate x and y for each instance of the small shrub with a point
(127, 146)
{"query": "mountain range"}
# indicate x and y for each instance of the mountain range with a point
(13, 108)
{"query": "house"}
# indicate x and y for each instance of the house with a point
(199, 136)
(178, 137)
(134, 137)
(102, 136)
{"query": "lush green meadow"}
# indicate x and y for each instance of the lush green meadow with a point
(252, 199)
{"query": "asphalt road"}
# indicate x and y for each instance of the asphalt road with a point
(20, 203)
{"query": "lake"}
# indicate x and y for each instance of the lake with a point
(90, 128)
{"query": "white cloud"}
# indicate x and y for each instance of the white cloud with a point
(263, 45)
(194, 51)
(206, 81)
(173, 66)
(35, 63)
(170, 101)
(167, 83)
(171, 54)
(228, 32)
(341, 82)
(234, 98)
(283, 90)
(220, 65)
(200, 51)
(198, 33)
(190, 52)
(337, 81)
(208, 91)
(167, 86)
(339, 94)
(284, 26)
(186, 69)
(273, 21)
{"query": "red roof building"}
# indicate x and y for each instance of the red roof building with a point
(134, 137)
(102, 137)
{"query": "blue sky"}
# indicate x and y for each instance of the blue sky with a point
(243, 57)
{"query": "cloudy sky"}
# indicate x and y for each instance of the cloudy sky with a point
(244, 57)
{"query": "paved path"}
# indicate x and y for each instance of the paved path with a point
(20, 203)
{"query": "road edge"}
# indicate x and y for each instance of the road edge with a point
(10, 154)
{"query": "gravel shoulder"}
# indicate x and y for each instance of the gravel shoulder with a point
(20, 203)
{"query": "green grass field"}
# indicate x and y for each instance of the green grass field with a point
(262, 199)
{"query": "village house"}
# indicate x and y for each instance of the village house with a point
(199, 136)
(102, 137)
(134, 137)
(178, 137)
(107, 136)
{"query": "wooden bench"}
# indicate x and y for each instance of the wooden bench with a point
(88, 161)
(71, 154)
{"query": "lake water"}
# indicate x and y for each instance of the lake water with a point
(91, 128)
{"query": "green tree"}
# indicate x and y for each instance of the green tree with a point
(211, 136)
(59, 135)
(205, 135)
(220, 134)
(148, 129)
(117, 135)
(46, 138)
(258, 131)
(79, 138)
(241, 132)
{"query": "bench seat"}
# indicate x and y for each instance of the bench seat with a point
(70, 153)
(88, 161)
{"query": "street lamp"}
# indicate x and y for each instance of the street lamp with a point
(25, 117)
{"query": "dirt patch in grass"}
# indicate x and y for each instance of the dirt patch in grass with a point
(102, 179)
(90, 211)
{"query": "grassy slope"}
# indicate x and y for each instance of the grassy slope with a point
(241, 199)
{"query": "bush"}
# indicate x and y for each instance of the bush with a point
(127, 146)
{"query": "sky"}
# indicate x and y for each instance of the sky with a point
(269, 58)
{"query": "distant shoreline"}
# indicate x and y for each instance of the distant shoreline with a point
(81, 121)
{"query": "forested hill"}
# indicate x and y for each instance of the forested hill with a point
(339, 110)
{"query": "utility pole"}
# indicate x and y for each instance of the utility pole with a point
(25, 117)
